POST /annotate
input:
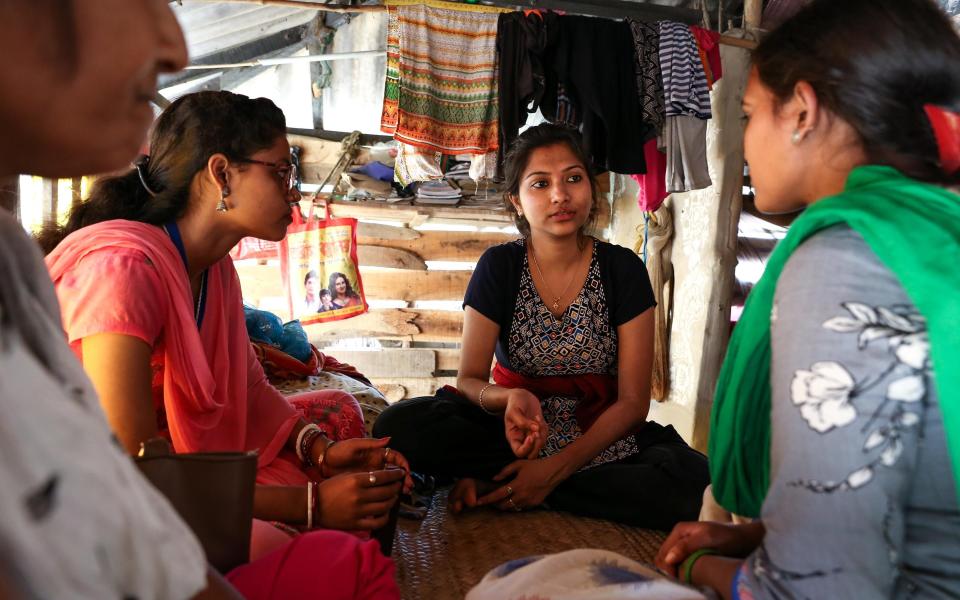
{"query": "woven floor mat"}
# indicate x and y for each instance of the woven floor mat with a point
(445, 555)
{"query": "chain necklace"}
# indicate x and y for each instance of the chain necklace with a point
(556, 299)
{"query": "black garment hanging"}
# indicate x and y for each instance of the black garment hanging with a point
(596, 57)
(523, 43)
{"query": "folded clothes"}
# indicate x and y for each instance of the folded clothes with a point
(377, 170)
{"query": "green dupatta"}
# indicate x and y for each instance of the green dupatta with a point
(914, 229)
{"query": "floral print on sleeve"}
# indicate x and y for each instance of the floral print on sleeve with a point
(826, 393)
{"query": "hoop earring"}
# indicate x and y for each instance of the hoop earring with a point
(222, 205)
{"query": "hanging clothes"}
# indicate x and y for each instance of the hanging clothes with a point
(709, 44)
(653, 184)
(646, 39)
(595, 57)
(687, 100)
(685, 141)
(523, 42)
(441, 92)
(684, 82)
(416, 164)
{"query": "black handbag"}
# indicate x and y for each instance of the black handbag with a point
(212, 492)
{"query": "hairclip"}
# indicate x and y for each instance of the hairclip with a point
(946, 130)
(141, 164)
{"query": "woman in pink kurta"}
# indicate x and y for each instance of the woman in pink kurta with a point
(151, 304)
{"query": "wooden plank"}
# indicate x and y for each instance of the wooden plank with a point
(261, 281)
(385, 364)
(412, 286)
(390, 258)
(448, 359)
(411, 387)
(381, 211)
(386, 232)
(393, 323)
(392, 392)
(444, 245)
(753, 12)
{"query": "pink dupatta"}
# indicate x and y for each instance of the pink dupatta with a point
(206, 379)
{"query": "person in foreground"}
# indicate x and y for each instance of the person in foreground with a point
(570, 321)
(77, 520)
(151, 304)
(836, 421)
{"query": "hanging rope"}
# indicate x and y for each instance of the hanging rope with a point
(659, 244)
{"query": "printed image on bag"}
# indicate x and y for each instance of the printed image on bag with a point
(318, 260)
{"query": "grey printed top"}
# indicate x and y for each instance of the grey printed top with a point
(862, 502)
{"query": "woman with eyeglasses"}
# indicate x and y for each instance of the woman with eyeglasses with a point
(152, 306)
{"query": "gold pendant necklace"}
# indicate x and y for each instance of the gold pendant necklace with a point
(556, 299)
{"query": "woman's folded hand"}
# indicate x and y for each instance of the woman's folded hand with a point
(524, 425)
(358, 501)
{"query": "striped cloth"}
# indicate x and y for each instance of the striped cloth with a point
(684, 81)
(441, 87)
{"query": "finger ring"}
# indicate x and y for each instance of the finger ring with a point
(373, 479)
(512, 505)
(386, 454)
(509, 491)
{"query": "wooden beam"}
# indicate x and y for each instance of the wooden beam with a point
(390, 258)
(410, 387)
(393, 323)
(385, 364)
(49, 201)
(405, 213)
(738, 42)
(304, 5)
(264, 281)
(366, 139)
(387, 232)
(448, 359)
(413, 286)
(443, 245)
(753, 13)
(76, 191)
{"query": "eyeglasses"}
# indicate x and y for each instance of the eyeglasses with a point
(285, 172)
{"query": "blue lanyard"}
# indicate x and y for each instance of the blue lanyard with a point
(174, 232)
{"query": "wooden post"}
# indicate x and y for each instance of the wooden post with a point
(753, 13)
(76, 185)
(49, 201)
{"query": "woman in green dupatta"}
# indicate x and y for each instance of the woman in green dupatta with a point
(836, 422)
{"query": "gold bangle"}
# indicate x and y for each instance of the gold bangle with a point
(480, 400)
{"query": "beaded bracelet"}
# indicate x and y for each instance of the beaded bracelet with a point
(686, 567)
(480, 400)
(306, 445)
(299, 445)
